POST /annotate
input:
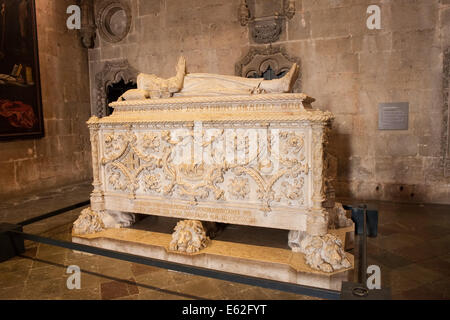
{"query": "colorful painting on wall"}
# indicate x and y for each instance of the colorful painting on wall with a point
(20, 91)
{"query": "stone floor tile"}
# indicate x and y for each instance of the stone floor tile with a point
(13, 278)
(438, 265)
(418, 253)
(44, 290)
(254, 293)
(162, 295)
(46, 274)
(398, 240)
(31, 251)
(233, 290)
(89, 279)
(131, 297)
(399, 283)
(132, 287)
(11, 293)
(205, 288)
(417, 273)
(118, 289)
(85, 262)
(422, 293)
(181, 277)
(431, 232)
(442, 286)
(445, 257)
(120, 271)
(85, 293)
(227, 290)
(107, 263)
(440, 246)
(163, 278)
(113, 273)
(392, 228)
(140, 269)
(16, 264)
(280, 295)
(56, 259)
(390, 260)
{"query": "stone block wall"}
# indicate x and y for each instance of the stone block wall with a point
(348, 68)
(63, 156)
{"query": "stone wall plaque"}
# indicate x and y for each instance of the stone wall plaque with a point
(393, 116)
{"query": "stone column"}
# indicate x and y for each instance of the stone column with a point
(317, 223)
(97, 201)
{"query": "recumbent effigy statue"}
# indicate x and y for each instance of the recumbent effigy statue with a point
(206, 84)
(262, 162)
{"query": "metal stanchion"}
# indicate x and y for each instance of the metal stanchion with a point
(362, 291)
(359, 290)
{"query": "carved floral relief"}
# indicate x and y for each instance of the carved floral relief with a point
(239, 188)
(152, 183)
(148, 162)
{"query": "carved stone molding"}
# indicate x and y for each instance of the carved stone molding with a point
(113, 19)
(289, 8)
(446, 123)
(245, 16)
(257, 61)
(88, 28)
(113, 71)
(266, 29)
(243, 13)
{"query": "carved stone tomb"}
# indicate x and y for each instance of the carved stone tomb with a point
(255, 160)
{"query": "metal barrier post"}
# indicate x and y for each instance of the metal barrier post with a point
(363, 248)
(359, 291)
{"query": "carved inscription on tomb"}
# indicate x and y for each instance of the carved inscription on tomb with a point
(198, 213)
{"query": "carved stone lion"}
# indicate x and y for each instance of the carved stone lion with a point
(337, 217)
(189, 237)
(91, 221)
(324, 253)
(88, 222)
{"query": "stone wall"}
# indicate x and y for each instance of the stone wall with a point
(348, 68)
(63, 156)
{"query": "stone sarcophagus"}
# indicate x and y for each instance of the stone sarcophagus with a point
(255, 159)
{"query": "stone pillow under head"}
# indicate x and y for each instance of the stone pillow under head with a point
(134, 94)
